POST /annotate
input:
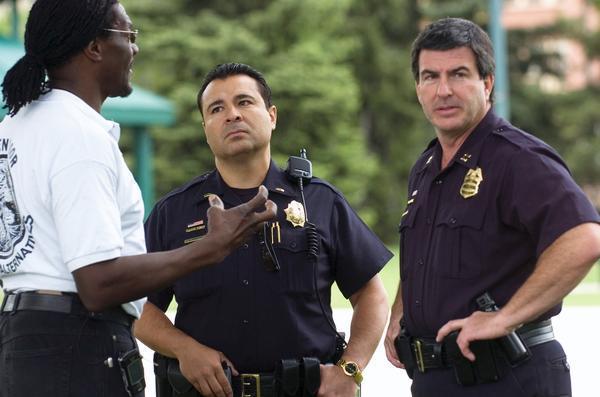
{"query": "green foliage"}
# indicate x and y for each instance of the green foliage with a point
(313, 83)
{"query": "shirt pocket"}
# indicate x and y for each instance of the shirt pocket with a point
(408, 242)
(296, 265)
(461, 243)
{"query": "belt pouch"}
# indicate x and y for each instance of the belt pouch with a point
(163, 388)
(180, 386)
(485, 366)
(311, 370)
(403, 346)
(482, 370)
(463, 369)
(287, 378)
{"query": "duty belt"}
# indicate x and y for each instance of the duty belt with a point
(66, 303)
(430, 354)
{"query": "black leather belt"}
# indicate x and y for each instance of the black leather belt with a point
(429, 354)
(67, 303)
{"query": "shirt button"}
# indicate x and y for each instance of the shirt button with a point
(438, 181)
(245, 322)
(418, 302)
(421, 262)
(293, 244)
(453, 220)
(245, 246)
(245, 282)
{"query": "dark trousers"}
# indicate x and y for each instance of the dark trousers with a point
(48, 354)
(546, 374)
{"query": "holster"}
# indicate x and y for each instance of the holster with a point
(483, 370)
(163, 388)
(403, 345)
(170, 382)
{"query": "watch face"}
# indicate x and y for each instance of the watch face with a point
(351, 368)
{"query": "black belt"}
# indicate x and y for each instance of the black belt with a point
(430, 354)
(67, 303)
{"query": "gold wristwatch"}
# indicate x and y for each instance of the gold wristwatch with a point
(351, 369)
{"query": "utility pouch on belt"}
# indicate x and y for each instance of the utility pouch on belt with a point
(287, 378)
(311, 369)
(403, 346)
(298, 378)
(482, 370)
(132, 371)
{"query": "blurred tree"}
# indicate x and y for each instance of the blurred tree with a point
(302, 49)
(390, 115)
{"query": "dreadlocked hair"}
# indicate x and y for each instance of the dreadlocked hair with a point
(55, 31)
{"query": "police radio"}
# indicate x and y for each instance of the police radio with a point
(299, 170)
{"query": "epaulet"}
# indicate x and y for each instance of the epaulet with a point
(185, 187)
(319, 181)
(517, 137)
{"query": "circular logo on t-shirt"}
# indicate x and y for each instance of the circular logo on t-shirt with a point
(16, 240)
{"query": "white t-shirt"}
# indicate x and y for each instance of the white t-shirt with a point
(67, 198)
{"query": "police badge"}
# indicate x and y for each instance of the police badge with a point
(470, 186)
(294, 213)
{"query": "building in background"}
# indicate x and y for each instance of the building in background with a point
(577, 69)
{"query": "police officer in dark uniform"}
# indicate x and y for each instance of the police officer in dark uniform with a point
(269, 300)
(493, 220)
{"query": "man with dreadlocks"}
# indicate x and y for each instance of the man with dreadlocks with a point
(72, 260)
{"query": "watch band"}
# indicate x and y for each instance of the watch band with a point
(351, 369)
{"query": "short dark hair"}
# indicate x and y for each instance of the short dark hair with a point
(55, 31)
(449, 33)
(225, 70)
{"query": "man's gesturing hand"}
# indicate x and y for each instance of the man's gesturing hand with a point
(230, 228)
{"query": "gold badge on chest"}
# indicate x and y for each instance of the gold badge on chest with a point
(470, 186)
(294, 213)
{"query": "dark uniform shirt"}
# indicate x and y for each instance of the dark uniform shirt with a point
(255, 316)
(481, 224)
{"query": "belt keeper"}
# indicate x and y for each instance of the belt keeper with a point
(419, 356)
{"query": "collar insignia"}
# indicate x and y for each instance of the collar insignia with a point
(465, 157)
(470, 186)
(294, 213)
